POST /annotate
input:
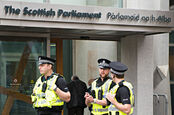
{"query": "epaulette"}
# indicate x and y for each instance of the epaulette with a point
(59, 75)
(120, 84)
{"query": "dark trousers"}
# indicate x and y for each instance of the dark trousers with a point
(116, 113)
(48, 113)
(76, 111)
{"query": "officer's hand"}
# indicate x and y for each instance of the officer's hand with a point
(87, 95)
(90, 98)
(110, 97)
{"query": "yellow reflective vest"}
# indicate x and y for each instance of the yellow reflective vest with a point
(96, 108)
(48, 98)
(112, 109)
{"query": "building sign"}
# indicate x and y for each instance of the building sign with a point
(79, 14)
(138, 17)
(50, 13)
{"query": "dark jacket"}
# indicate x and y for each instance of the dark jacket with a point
(77, 89)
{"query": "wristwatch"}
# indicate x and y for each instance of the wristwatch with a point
(95, 100)
(55, 88)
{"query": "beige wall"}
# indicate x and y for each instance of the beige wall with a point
(85, 56)
(86, 53)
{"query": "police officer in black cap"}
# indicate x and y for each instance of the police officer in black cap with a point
(50, 90)
(96, 99)
(121, 96)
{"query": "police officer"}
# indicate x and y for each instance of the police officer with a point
(50, 90)
(121, 95)
(96, 99)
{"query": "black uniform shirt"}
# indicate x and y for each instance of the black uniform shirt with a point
(123, 95)
(61, 84)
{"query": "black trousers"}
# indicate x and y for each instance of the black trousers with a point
(49, 113)
(116, 113)
(76, 111)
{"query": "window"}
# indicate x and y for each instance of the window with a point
(19, 72)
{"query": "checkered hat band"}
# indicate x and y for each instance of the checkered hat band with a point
(103, 65)
(116, 72)
(45, 61)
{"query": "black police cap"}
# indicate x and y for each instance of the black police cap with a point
(103, 63)
(46, 60)
(118, 68)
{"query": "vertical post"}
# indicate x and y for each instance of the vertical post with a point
(59, 55)
(48, 46)
(137, 54)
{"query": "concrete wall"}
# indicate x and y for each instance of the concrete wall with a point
(161, 58)
(137, 54)
(86, 53)
(145, 54)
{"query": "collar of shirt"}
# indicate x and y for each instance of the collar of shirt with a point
(49, 77)
(121, 83)
(100, 82)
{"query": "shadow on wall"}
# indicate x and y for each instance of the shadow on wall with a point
(160, 74)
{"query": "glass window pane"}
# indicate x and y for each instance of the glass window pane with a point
(19, 71)
(53, 54)
(171, 37)
(69, 2)
(171, 62)
(38, 1)
(108, 3)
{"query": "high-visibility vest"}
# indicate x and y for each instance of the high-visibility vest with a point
(112, 109)
(48, 98)
(96, 108)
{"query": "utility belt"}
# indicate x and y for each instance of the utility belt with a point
(52, 109)
(116, 113)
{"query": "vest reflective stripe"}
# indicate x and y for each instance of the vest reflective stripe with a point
(49, 98)
(96, 108)
(112, 107)
(42, 95)
(100, 110)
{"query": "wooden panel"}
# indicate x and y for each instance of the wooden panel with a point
(13, 94)
(171, 67)
(59, 54)
(8, 105)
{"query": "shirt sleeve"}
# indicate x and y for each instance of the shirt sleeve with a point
(124, 95)
(61, 84)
